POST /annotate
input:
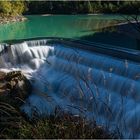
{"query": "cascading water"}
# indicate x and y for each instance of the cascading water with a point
(94, 85)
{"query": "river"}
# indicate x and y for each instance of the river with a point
(88, 83)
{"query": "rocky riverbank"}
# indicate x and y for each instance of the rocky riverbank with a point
(14, 88)
(9, 19)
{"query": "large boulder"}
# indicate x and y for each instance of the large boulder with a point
(14, 88)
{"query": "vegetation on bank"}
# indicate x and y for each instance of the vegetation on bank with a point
(83, 7)
(12, 11)
(65, 126)
(12, 8)
(15, 8)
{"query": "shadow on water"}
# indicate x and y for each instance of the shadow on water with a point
(124, 36)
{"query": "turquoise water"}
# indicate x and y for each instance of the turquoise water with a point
(70, 26)
(87, 27)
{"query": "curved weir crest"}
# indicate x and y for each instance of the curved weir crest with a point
(91, 84)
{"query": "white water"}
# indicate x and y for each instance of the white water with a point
(90, 84)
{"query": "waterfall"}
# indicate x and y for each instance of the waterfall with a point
(81, 82)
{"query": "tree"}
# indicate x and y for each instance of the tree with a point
(12, 8)
(18, 7)
(5, 7)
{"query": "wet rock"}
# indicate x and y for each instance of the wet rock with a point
(14, 88)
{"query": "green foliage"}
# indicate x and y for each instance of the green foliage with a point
(74, 7)
(18, 7)
(5, 7)
(12, 8)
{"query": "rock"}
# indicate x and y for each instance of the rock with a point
(14, 88)
(2, 75)
(6, 20)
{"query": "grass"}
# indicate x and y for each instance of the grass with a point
(14, 125)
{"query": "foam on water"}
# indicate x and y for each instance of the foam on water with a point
(80, 82)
